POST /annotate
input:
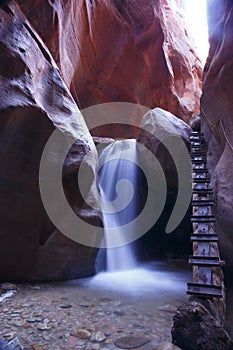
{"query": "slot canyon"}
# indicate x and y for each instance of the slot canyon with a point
(114, 138)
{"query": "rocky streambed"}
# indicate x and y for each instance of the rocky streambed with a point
(106, 312)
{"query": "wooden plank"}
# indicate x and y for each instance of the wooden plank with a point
(199, 218)
(204, 261)
(205, 290)
(203, 202)
(201, 180)
(202, 191)
(204, 238)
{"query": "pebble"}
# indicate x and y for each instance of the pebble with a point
(168, 308)
(43, 327)
(9, 334)
(8, 286)
(81, 333)
(36, 347)
(167, 346)
(98, 337)
(119, 312)
(65, 306)
(131, 342)
(92, 323)
(19, 322)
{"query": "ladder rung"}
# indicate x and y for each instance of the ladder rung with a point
(196, 133)
(201, 146)
(205, 290)
(200, 170)
(202, 203)
(204, 260)
(200, 218)
(204, 238)
(198, 161)
(202, 191)
(198, 153)
(194, 137)
(201, 180)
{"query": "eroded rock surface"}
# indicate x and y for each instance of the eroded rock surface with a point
(196, 327)
(217, 118)
(137, 52)
(34, 102)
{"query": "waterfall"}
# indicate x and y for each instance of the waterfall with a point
(117, 183)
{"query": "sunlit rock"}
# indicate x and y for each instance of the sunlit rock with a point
(138, 52)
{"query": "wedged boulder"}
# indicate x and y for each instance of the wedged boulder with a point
(159, 128)
(164, 139)
(217, 118)
(35, 102)
(145, 56)
(195, 122)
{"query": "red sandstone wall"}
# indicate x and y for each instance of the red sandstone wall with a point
(217, 116)
(138, 52)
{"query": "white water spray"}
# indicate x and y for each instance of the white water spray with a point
(117, 182)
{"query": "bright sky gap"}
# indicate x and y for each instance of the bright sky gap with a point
(196, 20)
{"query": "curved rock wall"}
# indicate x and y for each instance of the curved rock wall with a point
(217, 117)
(137, 52)
(34, 102)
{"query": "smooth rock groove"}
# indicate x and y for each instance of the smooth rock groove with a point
(117, 181)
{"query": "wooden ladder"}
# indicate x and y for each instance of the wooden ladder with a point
(205, 259)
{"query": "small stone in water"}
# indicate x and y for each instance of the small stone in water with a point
(43, 327)
(81, 333)
(19, 322)
(167, 346)
(168, 308)
(99, 337)
(8, 286)
(131, 342)
(119, 312)
(65, 306)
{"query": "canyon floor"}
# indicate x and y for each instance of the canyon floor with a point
(130, 310)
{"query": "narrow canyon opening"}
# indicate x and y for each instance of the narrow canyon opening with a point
(116, 174)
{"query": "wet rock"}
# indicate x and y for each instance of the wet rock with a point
(194, 327)
(43, 327)
(95, 346)
(8, 286)
(81, 333)
(65, 306)
(98, 337)
(37, 347)
(167, 346)
(119, 312)
(168, 308)
(14, 344)
(131, 342)
(19, 322)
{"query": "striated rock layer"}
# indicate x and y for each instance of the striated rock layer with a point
(137, 52)
(217, 117)
(34, 102)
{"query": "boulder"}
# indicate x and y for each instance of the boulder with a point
(164, 138)
(196, 327)
(35, 102)
(195, 122)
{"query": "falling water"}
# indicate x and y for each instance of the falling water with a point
(117, 182)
